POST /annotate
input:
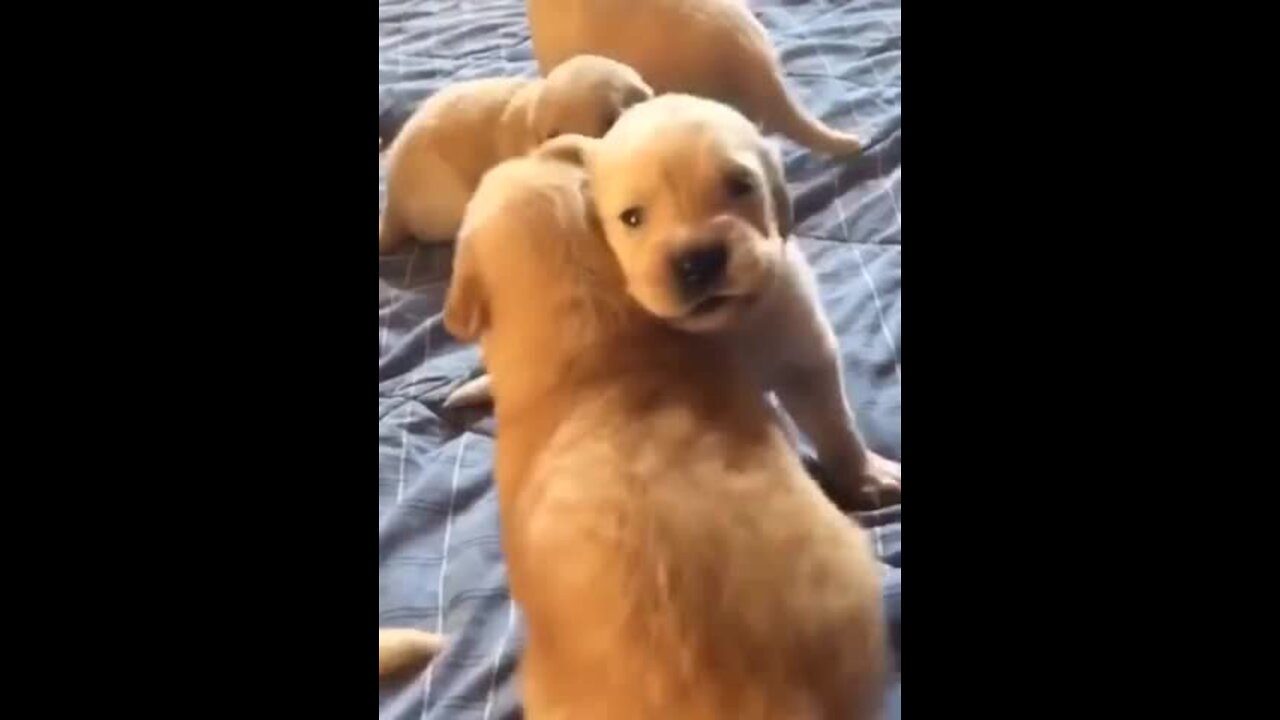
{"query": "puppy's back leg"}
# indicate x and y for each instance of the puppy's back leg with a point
(477, 391)
(433, 201)
(402, 649)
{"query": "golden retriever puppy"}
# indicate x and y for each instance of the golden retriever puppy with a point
(437, 159)
(695, 206)
(403, 649)
(711, 48)
(671, 556)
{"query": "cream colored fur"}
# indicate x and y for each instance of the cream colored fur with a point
(669, 554)
(404, 649)
(671, 157)
(711, 48)
(438, 157)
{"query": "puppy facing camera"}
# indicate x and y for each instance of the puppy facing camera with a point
(699, 250)
(694, 205)
(694, 209)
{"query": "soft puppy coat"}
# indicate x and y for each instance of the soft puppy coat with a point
(710, 48)
(437, 159)
(669, 553)
(684, 186)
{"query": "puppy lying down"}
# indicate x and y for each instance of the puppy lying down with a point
(710, 48)
(437, 159)
(670, 555)
(696, 210)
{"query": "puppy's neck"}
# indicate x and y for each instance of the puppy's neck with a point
(774, 304)
(568, 340)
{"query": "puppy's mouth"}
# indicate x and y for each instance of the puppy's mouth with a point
(719, 305)
(710, 304)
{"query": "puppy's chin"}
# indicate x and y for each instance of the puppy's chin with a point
(713, 313)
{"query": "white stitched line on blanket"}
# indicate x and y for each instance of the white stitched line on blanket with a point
(844, 226)
(398, 56)
(404, 286)
(897, 210)
(444, 564)
(875, 298)
(404, 454)
(497, 657)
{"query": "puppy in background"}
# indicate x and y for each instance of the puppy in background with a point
(436, 161)
(710, 48)
(695, 207)
(671, 556)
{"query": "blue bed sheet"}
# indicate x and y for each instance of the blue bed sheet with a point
(439, 562)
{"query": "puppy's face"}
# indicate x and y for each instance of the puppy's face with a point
(585, 96)
(529, 232)
(694, 205)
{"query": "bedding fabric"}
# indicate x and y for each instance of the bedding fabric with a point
(439, 562)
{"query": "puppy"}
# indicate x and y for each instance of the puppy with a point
(695, 207)
(457, 134)
(670, 555)
(400, 650)
(711, 48)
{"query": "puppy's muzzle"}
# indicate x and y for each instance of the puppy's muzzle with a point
(700, 270)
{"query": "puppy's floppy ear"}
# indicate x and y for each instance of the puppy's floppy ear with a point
(775, 178)
(466, 305)
(634, 94)
(571, 148)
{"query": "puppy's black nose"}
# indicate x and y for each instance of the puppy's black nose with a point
(700, 269)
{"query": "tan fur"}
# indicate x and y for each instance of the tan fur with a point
(671, 158)
(711, 48)
(404, 649)
(437, 159)
(671, 557)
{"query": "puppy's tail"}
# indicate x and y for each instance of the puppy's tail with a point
(785, 115)
(405, 649)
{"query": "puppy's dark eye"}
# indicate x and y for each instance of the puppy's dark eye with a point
(738, 185)
(632, 217)
(552, 135)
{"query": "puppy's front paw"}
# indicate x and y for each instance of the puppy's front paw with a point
(880, 482)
